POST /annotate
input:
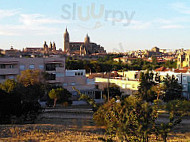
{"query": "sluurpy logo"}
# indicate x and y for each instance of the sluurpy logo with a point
(98, 14)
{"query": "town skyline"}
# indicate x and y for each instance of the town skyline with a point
(135, 25)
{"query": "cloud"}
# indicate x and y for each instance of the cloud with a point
(181, 7)
(172, 27)
(33, 24)
(6, 33)
(158, 24)
(139, 25)
(163, 21)
(8, 13)
(38, 19)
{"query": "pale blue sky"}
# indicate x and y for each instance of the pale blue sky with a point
(132, 24)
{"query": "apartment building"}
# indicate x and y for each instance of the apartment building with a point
(183, 77)
(126, 86)
(11, 67)
(128, 81)
(57, 74)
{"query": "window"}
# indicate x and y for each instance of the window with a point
(41, 67)
(22, 67)
(64, 84)
(185, 94)
(136, 75)
(185, 87)
(2, 66)
(31, 66)
(59, 75)
(73, 83)
(185, 78)
(11, 66)
(78, 73)
(2, 76)
(11, 77)
(51, 67)
(51, 76)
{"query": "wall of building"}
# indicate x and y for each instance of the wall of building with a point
(125, 85)
(11, 67)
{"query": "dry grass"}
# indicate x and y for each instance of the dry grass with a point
(59, 133)
(49, 133)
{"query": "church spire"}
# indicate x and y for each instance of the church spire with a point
(66, 30)
(66, 40)
(87, 39)
(66, 35)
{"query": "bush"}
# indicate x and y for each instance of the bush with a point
(130, 120)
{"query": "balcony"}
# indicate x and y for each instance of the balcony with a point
(9, 71)
(60, 69)
(52, 67)
(51, 77)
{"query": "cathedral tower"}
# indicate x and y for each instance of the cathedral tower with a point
(54, 46)
(45, 46)
(50, 46)
(66, 41)
(87, 40)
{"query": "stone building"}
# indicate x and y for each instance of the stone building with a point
(51, 48)
(183, 59)
(81, 48)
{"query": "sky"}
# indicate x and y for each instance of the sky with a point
(116, 25)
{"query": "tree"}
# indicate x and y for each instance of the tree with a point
(114, 91)
(173, 90)
(151, 87)
(154, 60)
(31, 77)
(87, 98)
(31, 85)
(8, 86)
(21, 97)
(145, 90)
(131, 120)
(177, 109)
(59, 94)
(159, 90)
(10, 104)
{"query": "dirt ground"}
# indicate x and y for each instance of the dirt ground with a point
(70, 125)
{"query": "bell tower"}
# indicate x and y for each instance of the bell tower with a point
(66, 41)
(87, 40)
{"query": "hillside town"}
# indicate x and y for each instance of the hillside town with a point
(53, 61)
(100, 71)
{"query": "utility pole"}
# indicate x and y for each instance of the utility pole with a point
(181, 78)
(108, 86)
(181, 83)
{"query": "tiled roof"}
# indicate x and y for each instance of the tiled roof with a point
(162, 69)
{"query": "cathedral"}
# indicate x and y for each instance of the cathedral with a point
(50, 48)
(81, 48)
